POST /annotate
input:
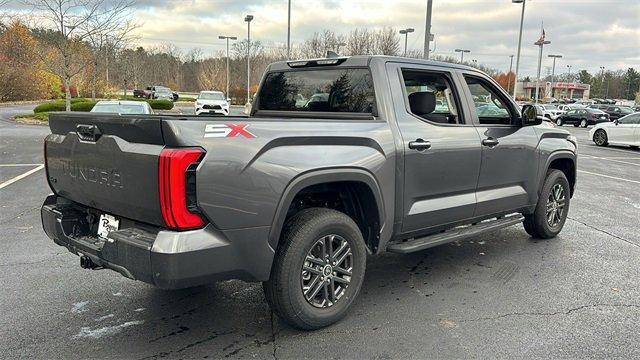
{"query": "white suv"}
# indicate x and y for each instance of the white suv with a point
(212, 102)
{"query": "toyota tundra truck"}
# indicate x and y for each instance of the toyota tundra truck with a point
(339, 158)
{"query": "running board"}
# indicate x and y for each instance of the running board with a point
(457, 233)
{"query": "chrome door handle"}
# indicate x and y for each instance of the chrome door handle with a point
(419, 144)
(490, 142)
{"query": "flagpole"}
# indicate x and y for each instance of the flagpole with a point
(541, 43)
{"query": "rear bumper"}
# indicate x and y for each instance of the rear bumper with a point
(222, 111)
(166, 259)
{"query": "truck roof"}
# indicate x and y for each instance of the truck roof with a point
(367, 60)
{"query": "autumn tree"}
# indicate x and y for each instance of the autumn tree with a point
(20, 77)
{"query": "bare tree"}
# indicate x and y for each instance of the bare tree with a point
(386, 42)
(104, 41)
(76, 21)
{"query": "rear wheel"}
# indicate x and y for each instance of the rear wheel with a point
(318, 269)
(552, 208)
(559, 122)
(600, 138)
(583, 123)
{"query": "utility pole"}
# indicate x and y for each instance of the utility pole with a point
(222, 37)
(289, 31)
(248, 19)
(427, 29)
(509, 74)
(406, 32)
(462, 51)
(519, 45)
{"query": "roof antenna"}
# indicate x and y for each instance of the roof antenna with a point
(332, 54)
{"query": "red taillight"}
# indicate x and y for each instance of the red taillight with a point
(172, 182)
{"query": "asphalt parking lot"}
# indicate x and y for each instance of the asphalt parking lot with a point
(501, 295)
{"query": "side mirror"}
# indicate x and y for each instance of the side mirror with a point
(229, 100)
(616, 121)
(530, 116)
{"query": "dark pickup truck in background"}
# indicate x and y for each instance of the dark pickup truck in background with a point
(339, 158)
(152, 92)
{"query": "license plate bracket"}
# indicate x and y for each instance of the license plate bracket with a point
(107, 224)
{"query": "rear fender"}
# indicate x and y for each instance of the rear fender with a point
(319, 177)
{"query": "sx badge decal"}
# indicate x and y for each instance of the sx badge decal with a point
(227, 130)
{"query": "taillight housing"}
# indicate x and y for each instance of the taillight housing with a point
(176, 183)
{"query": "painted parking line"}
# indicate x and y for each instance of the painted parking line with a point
(609, 159)
(609, 177)
(17, 165)
(22, 176)
(590, 146)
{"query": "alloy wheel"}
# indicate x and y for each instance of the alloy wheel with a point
(327, 270)
(583, 123)
(555, 205)
(599, 137)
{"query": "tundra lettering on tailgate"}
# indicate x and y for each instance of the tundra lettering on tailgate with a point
(105, 177)
(227, 130)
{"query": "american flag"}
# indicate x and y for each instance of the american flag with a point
(541, 40)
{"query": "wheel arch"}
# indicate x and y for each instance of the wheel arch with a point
(564, 161)
(368, 198)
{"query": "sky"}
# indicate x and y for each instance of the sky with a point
(587, 33)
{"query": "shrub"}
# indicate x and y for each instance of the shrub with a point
(160, 104)
(82, 106)
(56, 105)
(78, 104)
(186, 99)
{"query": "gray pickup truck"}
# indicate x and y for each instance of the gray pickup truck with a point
(339, 158)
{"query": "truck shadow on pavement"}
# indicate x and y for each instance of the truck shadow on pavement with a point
(229, 318)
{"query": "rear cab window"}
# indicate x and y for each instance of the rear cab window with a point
(325, 90)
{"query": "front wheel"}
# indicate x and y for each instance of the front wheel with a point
(553, 206)
(600, 138)
(318, 269)
(559, 122)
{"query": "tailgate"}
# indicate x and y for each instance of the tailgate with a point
(107, 162)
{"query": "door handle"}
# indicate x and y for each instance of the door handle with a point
(419, 144)
(490, 142)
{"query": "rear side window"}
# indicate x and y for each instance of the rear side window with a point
(335, 90)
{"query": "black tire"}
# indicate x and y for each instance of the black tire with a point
(600, 138)
(284, 289)
(559, 122)
(584, 123)
(537, 224)
(635, 147)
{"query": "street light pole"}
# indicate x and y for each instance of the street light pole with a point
(519, 45)
(509, 74)
(427, 29)
(553, 71)
(569, 75)
(406, 32)
(289, 31)
(223, 37)
(462, 51)
(602, 80)
(248, 19)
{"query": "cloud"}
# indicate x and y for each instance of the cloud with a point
(588, 33)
